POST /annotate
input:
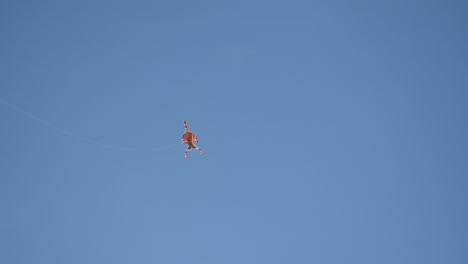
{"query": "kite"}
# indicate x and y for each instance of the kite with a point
(188, 138)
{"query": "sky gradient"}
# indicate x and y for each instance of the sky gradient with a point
(333, 131)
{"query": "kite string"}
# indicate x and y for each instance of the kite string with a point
(71, 134)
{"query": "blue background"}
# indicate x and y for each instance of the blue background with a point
(333, 131)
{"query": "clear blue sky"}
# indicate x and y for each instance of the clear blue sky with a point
(333, 131)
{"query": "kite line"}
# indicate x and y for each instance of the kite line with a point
(76, 136)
